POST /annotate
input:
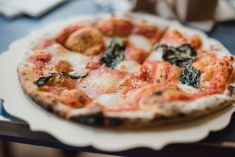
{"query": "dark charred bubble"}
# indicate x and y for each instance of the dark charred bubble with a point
(115, 122)
(95, 119)
(158, 93)
(48, 108)
(231, 89)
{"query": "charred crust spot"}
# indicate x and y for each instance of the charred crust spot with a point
(114, 122)
(221, 63)
(49, 108)
(231, 89)
(158, 81)
(158, 93)
(82, 100)
(96, 119)
(83, 86)
(231, 58)
(46, 106)
(207, 108)
(54, 101)
(181, 115)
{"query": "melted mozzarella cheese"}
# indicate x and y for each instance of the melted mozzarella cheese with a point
(99, 82)
(107, 41)
(187, 89)
(77, 60)
(56, 49)
(106, 80)
(109, 100)
(140, 41)
(155, 56)
(128, 66)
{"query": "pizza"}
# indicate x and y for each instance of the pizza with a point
(126, 70)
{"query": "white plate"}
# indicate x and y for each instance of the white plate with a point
(17, 104)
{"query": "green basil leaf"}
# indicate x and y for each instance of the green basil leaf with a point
(114, 53)
(77, 76)
(43, 80)
(181, 56)
(190, 76)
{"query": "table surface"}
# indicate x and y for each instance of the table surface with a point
(13, 129)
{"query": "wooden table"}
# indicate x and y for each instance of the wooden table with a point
(220, 143)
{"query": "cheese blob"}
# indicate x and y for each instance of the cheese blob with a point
(141, 42)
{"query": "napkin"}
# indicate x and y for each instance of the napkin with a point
(34, 8)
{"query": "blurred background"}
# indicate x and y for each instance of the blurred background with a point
(19, 17)
(12, 149)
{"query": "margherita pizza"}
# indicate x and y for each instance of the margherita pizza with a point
(127, 70)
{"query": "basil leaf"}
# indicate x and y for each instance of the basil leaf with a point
(77, 76)
(114, 53)
(63, 74)
(190, 76)
(43, 80)
(181, 56)
(187, 49)
(71, 75)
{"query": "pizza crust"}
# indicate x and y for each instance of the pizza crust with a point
(95, 116)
